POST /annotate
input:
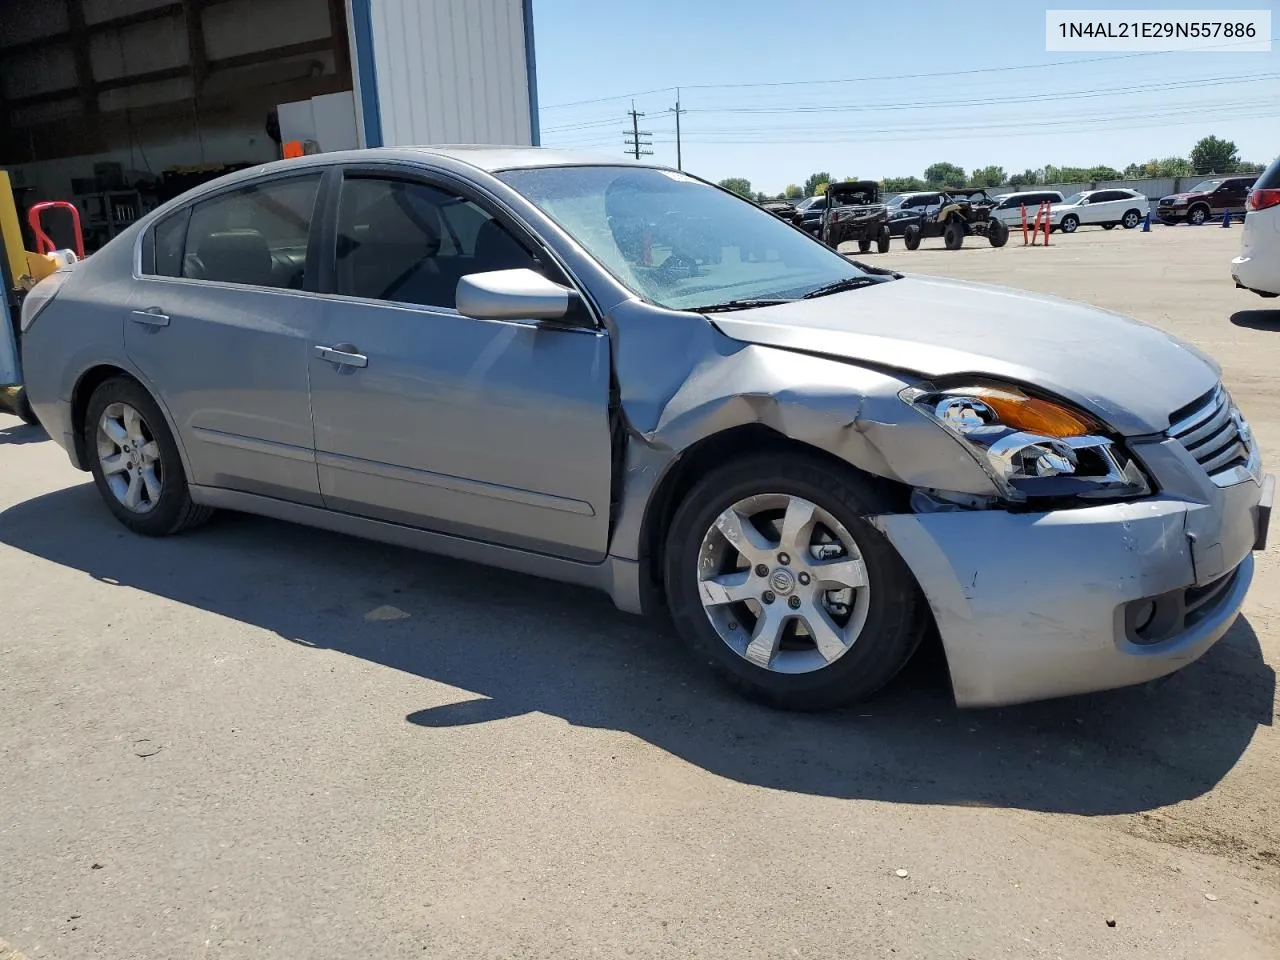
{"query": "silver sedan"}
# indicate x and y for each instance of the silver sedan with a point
(621, 376)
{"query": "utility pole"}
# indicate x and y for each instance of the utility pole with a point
(637, 139)
(677, 111)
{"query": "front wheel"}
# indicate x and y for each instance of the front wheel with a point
(135, 461)
(911, 237)
(1197, 215)
(774, 577)
(1070, 223)
(864, 246)
(882, 240)
(998, 233)
(953, 235)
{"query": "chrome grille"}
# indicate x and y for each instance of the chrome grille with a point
(1215, 434)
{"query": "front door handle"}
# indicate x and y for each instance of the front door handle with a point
(342, 355)
(152, 317)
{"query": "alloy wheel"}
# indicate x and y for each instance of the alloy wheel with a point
(783, 584)
(130, 458)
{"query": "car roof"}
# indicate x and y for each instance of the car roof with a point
(484, 157)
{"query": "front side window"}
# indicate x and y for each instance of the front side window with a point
(255, 235)
(410, 242)
(676, 241)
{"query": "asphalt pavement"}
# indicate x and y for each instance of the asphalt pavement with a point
(262, 740)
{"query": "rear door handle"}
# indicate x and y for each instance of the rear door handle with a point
(343, 355)
(151, 316)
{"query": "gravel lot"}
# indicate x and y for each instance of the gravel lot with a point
(260, 740)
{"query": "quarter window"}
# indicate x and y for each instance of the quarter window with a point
(411, 243)
(256, 235)
(170, 237)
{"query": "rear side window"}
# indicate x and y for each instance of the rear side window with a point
(1270, 179)
(256, 235)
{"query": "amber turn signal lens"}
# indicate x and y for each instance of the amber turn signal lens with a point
(1016, 409)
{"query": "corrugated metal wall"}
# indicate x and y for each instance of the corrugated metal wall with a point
(451, 71)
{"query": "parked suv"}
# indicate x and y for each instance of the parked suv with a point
(908, 208)
(808, 214)
(1009, 208)
(1258, 266)
(1207, 200)
(1102, 208)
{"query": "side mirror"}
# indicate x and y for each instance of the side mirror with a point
(514, 295)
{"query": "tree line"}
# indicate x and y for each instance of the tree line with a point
(1210, 155)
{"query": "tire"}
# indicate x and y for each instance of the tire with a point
(1070, 223)
(1130, 219)
(864, 246)
(998, 233)
(911, 237)
(953, 235)
(1197, 215)
(158, 485)
(22, 408)
(889, 613)
(1108, 226)
(882, 240)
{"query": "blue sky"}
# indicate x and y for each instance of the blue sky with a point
(1038, 108)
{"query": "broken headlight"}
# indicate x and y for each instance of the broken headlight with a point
(1032, 447)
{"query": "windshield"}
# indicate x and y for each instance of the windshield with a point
(897, 201)
(676, 241)
(1075, 198)
(1206, 186)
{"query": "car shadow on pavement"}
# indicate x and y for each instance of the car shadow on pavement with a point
(1257, 319)
(22, 433)
(525, 645)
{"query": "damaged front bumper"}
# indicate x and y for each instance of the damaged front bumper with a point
(1037, 605)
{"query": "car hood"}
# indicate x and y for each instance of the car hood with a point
(1131, 375)
(1180, 196)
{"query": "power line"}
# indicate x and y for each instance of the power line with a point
(868, 135)
(900, 76)
(994, 101)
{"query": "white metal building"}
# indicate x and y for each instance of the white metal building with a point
(118, 104)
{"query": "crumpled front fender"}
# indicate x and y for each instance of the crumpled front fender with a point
(682, 382)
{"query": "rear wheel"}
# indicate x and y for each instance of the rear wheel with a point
(1108, 226)
(135, 461)
(864, 246)
(998, 233)
(1130, 219)
(21, 407)
(776, 580)
(953, 235)
(882, 240)
(911, 237)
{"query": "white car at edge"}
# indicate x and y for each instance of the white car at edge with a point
(1101, 208)
(1009, 209)
(1258, 266)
